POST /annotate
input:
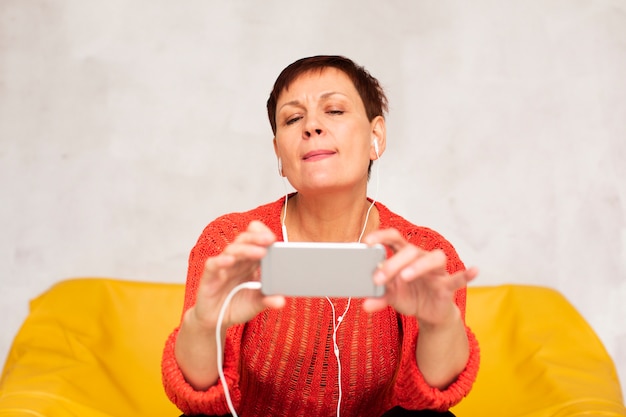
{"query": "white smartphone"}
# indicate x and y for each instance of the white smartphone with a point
(313, 269)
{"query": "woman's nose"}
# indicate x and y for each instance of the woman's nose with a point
(312, 125)
(309, 132)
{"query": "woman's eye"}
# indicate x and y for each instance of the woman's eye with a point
(335, 112)
(292, 120)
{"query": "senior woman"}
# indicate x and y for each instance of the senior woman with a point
(407, 351)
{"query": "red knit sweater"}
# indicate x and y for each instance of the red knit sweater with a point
(281, 363)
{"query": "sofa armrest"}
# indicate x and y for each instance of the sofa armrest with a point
(539, 357)
(92, 347)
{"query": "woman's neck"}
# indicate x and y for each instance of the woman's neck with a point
(329, 218)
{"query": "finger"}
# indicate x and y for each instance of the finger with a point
(225, 268)
(256, 233)
(215, 264)
(462, 278)
(250, 249)
(472, 273)
(388, 237)
(397, 263)
(219, 261)
(274, 301)
(426, 263)
(402, 259)
(373, 305)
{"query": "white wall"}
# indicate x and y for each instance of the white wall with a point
(125, 127)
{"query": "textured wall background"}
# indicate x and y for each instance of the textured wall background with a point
(125, 127)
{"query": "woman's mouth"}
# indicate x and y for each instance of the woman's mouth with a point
(318, 154)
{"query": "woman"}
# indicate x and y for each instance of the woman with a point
(408, 350)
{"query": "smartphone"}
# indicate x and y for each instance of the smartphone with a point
(314, 269)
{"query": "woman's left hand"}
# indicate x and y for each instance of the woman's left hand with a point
(417, 282)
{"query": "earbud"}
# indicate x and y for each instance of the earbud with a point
(375, 143)
(280, 167)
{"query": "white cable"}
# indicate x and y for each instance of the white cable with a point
(284, 228)
(251, 285)
(336, 323)
(367, 216)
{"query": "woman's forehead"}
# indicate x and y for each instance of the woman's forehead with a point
(321, 80)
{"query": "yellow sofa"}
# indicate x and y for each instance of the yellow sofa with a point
(91, 348)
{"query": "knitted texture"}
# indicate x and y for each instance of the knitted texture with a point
(282, 363)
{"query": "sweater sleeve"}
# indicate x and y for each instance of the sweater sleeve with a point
(213, 400)
(411, 390)
(212, 241)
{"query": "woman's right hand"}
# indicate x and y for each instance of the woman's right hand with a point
(196, 343)
(238, 263)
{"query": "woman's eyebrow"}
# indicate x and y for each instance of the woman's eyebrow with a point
(331, 93)
(289, 103)
(324, 96)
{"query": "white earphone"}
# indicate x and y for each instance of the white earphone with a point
(280, 167)
(375, 142)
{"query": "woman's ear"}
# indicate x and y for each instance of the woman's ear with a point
(379, 137)
(280, 162)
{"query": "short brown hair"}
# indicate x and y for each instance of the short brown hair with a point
(368, 87)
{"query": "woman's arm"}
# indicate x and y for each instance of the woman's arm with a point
(442, 350)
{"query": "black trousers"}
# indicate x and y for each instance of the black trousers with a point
(394, 412)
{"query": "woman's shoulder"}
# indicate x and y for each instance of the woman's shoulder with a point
(266, 213)
(422, 236)
(231, 224)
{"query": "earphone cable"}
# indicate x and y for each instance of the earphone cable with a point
(251, 285)
(336, 323)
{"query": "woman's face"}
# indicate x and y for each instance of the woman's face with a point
(323, 136)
